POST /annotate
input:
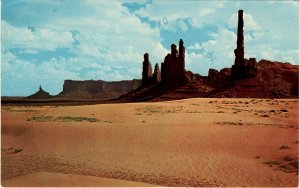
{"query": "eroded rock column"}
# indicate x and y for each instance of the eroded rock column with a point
(147, 69)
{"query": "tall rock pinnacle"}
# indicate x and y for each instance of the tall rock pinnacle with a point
(242, 68)
(147, 69)
(239, 51)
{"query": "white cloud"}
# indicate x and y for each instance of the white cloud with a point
(266, 51)
(22, 78)
(215, 53)
(249, 22)
(108, 43)
(172, 11)
(182, 25)
(195, 46)
(121, 39)
(33, 41)
(206, 11)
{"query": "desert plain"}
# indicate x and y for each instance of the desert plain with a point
(190, 142)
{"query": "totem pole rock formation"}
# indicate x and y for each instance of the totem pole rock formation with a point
(173, 67)
(242, 67)
(239, 63)
(147, 70)
(239, 51)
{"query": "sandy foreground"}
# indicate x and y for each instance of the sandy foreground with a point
(192, 142)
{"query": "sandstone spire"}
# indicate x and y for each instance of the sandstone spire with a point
(147, 69)
(239, 51)
(242, 68)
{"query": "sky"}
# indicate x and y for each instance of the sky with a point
(44, 42)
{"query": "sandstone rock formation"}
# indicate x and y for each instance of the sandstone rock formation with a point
(173, 67)
(278, 77)
(242, 67)
(192, 78)
(246, 78)
(40, 94)
(225, 73)
(97, 89)
(156, 74)
(219, 79)
(239, 51)
(147, 70)
(212, 75)
(273, 80)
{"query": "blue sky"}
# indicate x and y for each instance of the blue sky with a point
(45, 42)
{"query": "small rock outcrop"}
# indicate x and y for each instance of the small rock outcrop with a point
(40, 94)
(216, 78)
(212, 75)
(192, 78)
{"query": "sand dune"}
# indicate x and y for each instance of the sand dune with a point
(192, 142)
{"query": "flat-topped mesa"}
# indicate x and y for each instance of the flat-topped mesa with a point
(97, 89)
(147, 70)
(173, 67)
(242, 68)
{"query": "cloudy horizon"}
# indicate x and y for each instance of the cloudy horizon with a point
(47, 42)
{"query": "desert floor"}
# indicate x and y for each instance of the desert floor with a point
(192, 142)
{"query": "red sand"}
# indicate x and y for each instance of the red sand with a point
(193, 142)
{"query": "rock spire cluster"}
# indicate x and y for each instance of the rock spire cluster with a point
(172, 69)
